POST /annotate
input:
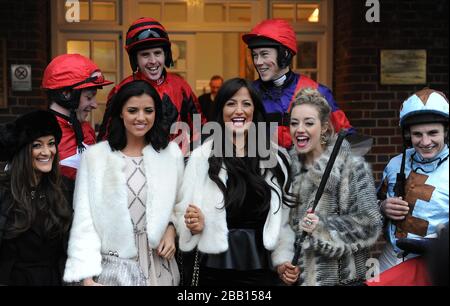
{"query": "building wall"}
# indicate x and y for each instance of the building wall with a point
(404, 24)
(371, 107)
(25, 25)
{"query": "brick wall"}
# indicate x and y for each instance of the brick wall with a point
(26, 26)
(372, 108)
(404, 24)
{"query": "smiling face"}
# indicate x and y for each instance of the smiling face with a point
(43, 151)
(428, 139)
(151, 62)
(88, 102)
(138, 115)
(265, 61)
(238, 112)
(306, 129)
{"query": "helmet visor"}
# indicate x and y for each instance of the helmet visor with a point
(95, 80)
(148, 34)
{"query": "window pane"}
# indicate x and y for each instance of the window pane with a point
(78, 46)
(103, 10)
(84, 10)
(307, 12)
(152, 10)
(284, 11)
(175, 12)
(179, 54)
(307, 55)
(105, 54)
(214, 12)
(240, 13)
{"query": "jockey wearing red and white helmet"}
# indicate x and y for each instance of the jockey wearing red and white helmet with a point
(273, 44)
(149, 50)
(71, 82)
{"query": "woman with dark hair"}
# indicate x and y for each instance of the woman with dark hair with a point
(234, 200)
(34, 214)
(124, 195)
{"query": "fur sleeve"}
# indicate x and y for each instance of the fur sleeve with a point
(357, 223)
(180, 174)
(185, 196)
(284, 250)
(84, 257)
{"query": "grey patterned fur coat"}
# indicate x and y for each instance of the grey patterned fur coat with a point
(349, 219)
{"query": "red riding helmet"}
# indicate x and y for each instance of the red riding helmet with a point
(71, 72)
(146, 33)
(272, 32)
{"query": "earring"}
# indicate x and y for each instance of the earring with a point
(323, 139)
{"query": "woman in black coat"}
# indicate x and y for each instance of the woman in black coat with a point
(34, 214)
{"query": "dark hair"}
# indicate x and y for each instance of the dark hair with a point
(284, 57)
(216, 77)
(158, 135)
(243, 172)
(21, 176)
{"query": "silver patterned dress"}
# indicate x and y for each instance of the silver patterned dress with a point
(157, 270)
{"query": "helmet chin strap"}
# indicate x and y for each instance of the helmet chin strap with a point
(70, 102)
(78, 130)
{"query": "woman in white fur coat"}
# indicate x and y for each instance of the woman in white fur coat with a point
(346, 221)
(125, 192)
(234, 199)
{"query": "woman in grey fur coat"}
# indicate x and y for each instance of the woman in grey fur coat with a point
(346, 221)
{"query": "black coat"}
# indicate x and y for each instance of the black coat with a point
(207, 105)
(31, 258)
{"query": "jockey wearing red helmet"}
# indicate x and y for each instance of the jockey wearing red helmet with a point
(273, 44)
(71, 82)
(148, 47)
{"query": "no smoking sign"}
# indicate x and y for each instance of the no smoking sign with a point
(21, 77)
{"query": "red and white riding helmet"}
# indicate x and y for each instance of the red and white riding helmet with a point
(147, 33)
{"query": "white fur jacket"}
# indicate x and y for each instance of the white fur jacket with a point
(349, 219)
(198, 189)
(102, 221)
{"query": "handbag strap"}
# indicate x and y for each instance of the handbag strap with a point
(195, 274)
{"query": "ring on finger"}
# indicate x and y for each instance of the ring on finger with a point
(309, 223)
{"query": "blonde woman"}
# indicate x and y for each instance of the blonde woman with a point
(346, 221)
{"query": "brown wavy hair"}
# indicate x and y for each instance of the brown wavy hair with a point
(23, 178)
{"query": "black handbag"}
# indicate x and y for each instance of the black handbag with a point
(189, 266)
